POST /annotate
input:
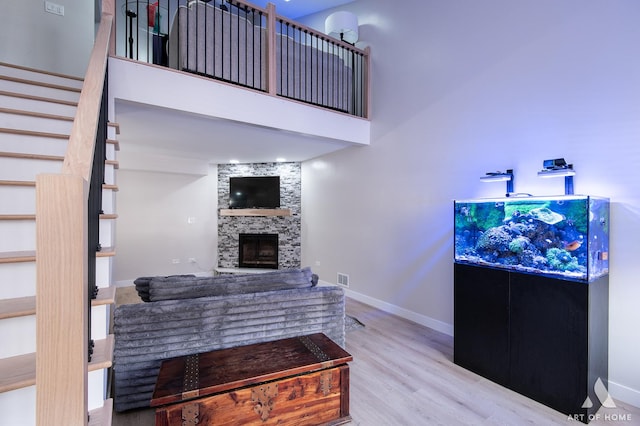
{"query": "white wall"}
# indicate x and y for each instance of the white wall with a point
(461, 88)
(153, 230)
(31, 37)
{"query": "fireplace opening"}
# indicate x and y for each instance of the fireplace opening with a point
(258, 251)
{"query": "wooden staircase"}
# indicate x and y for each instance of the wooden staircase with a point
(36, 116)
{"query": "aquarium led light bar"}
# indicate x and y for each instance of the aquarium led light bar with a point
(559, 168)
(500, 177)
(556, 173)
(490, 177)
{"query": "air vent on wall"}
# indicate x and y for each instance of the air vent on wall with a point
(343, 279)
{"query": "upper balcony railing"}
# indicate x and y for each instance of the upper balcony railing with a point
(246, 45)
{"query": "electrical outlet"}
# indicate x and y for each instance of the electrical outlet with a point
(56, 9)
(192, 260)
(175, 261)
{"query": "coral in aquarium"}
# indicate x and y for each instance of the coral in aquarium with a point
(522, 208)
(463, 218)
(537, 239)
(479, 216)
(546, 215)
(561, 260)
(488, 215)
(518, 245)
(577, 212)
(494, 239)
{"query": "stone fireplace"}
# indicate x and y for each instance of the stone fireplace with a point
(258, 251)
(287, 228)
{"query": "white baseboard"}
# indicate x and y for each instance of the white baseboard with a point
(432, 323)
(625, 394)
(617, 391)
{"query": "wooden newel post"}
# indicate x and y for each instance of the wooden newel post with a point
(271, 49)
(61, 300)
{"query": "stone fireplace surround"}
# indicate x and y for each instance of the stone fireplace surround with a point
(288, 228)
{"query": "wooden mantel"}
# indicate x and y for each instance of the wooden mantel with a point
(255, 212)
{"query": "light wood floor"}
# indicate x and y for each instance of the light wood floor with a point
(403, 374)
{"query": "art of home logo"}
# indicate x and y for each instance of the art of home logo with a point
(607, 402)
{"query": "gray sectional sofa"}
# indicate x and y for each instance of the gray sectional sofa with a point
(184, 315)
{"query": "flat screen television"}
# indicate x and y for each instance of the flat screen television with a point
(254, 192)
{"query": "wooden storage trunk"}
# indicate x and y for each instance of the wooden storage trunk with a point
(297, 381)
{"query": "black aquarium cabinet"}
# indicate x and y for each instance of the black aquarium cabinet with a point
(531, 296)
(546, 338)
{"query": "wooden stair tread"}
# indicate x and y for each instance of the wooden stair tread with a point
(102, 353)
(32, 156)
(114, 142)
(35, 114)
(110, 186)
(106, 296)
(102, 416)
(30, 255)
(113, 163)
(17, 372)
(115, 126)
(38, 98)
(39, 71)
(34, 133)
(25, 306)
(17, 217)
(106, 252)
(39, 83)
(20, 371)
(17, 182)
(32, 183)
(50, 135)
(17, 307)
(33, 216)
(17, 256)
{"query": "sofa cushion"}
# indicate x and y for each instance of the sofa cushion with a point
(180, 287)
(142, 285)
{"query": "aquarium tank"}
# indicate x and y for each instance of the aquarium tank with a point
(562, 236)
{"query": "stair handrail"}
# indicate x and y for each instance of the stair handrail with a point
(62, 294)
(79, 156)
